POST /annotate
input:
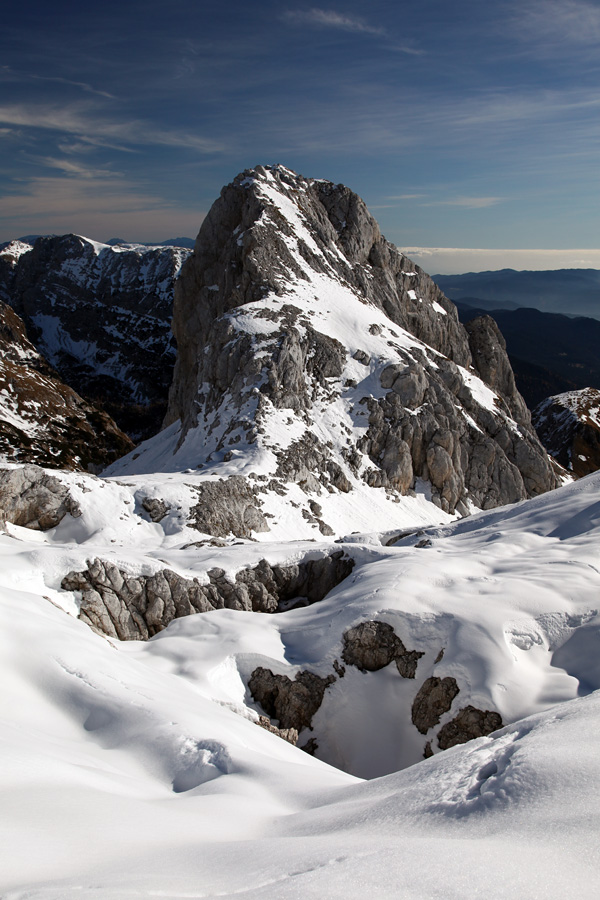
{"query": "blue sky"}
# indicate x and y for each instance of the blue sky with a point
(462, 125)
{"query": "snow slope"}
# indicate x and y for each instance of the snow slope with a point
(137, 769)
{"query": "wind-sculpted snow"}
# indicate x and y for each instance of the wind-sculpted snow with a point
(116, 754)
(322, 366)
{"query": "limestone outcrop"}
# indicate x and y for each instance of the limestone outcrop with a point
(371, 646)
(292, 703)
(468, 724)
(136, 607)
(434, 698)
(32, 498)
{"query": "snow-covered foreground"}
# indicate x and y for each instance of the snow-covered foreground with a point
(138, 769)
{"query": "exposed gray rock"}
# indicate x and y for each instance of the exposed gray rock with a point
(157, 509)
(226, 507)
(469, 723)
(292, 703)
(434, 698)
(488, 349)
(371, 646)
(129, 607)
(33, 499)
(311, 746)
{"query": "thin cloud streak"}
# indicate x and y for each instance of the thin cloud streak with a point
(10, 74)
(326, 18)
(468, 202)
(85, 127)
(556, 24)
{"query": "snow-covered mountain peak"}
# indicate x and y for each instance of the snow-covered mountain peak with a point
(327, 370)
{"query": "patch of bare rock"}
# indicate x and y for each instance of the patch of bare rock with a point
(32, 498)
(128, 607)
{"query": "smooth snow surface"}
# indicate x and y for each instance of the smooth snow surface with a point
(137, 770)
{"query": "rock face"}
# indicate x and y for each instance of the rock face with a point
(373, 645)
(292, 703)
(228, 506)
(42, 420)
(316, 360)
(434, 698)
(569, 427)
(132, 608)
(101, 316)
(470, 723)
(31, 498)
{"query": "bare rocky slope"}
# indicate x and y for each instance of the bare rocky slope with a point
(42, 420)
(569, 427)
(101, 315)
(313, 354)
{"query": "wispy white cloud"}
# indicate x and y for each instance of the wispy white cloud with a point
(92, 127)
(328, 18)
(559, 23)
(406, 196)
(69, 167)
(467, 202)
(8, 73)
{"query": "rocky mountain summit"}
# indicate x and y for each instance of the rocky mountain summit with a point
(324, 367)
(101, 315)
(569, 427)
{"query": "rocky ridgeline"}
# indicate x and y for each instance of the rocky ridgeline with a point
(309, 343)
(569, 427)
(42, 420)
(101, 315)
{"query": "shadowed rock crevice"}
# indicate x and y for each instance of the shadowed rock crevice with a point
(128, 607)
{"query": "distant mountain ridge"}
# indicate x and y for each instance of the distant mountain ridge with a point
(565, 291)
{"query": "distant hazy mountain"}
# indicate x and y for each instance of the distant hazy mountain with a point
(566, 291)
(549, 353)
(187, 243)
